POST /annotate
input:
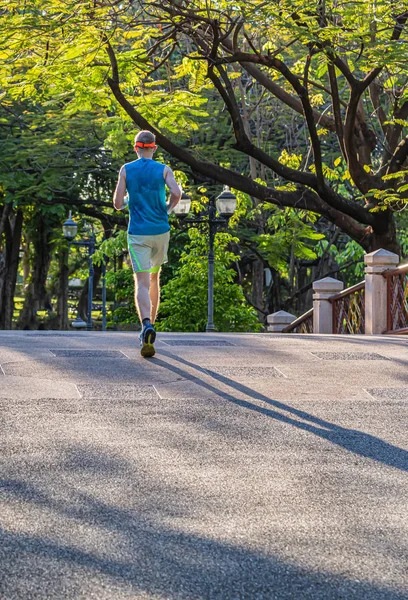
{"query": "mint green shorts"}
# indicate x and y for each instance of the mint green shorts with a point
(148, 252)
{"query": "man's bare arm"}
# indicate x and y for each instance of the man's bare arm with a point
(175, 192)
(120, 192)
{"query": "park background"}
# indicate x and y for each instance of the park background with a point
(300, 107)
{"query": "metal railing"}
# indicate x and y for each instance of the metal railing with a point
(303, 324)
(397, 299)
(349, 310)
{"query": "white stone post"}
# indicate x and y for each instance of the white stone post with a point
(322, 307)
(279, 320)
(376, 289)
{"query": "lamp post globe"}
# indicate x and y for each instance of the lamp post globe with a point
(226, 203)
(183, 207)
(69, 228)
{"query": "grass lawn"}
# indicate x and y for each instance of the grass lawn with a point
(72, 310)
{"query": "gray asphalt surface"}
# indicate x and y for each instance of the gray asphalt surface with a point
(228, 467)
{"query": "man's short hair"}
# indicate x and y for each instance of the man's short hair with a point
(145, 137)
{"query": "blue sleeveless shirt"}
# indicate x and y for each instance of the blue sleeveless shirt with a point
(147, 197)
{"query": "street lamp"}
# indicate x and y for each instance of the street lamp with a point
(183, 207)
(225, 204)
(69, 229)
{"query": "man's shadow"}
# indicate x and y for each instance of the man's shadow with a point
(358, 442)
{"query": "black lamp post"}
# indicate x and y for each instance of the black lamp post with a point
(225, 204)
(70, 229)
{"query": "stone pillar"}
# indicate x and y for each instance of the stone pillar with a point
(279, 320)
(376, 289)
(323, 309)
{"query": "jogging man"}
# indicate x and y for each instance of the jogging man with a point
(144, 180)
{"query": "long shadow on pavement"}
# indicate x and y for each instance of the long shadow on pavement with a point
(151, 560)
(358, 442)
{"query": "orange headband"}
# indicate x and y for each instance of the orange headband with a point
(143, 145)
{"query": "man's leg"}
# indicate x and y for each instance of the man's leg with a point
(154, 295)
(143, 305)
(142, 297)
(160, 246)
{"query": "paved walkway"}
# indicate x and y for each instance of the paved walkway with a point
(228, 467)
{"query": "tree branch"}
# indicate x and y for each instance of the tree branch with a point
(374, 90)
(395, 130)
(399, 157)
(291, 101)
(343, 214)
(363, 180)
(399, 26)
(303, 93)
(243, 142)
(336, 106)
(113, 61)
(116, 219)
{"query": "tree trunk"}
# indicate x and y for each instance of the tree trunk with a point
(384, 234)
(26, 263)
(83, 299)
(275, 296)
(36, 295)
(62, 302)
(4, 251)
(257, 281)
(247, 127)
(303, 301)
(11, 224)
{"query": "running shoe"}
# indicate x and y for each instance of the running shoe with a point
(148, 337)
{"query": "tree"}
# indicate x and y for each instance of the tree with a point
(334, 45)
(340, 67)
(48, 163)
(184, 303)
(210, 78)
(11, 222)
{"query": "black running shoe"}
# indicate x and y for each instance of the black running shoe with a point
(148, 339)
